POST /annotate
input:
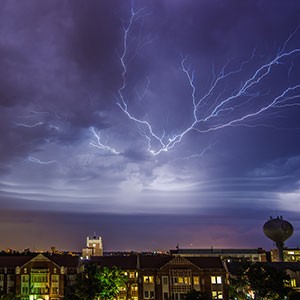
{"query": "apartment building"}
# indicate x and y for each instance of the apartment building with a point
(168, 277)
(37, 277)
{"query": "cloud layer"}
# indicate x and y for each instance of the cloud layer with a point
(68, 149)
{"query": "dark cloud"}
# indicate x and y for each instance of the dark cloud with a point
(69, 153)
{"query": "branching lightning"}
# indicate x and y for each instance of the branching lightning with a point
(214, 111)
(100, 145)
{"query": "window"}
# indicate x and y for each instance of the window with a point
(217, 295)
(149, 294)
(54, 278)
(196, 280)
(39, 278)
(25, 278)
(293, 283)
(54, 290)
(134, 288)
(148, 279)
(25, 290)
(216, 279)
(1, 277)
(165, 280)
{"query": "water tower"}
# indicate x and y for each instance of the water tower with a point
(278, 230)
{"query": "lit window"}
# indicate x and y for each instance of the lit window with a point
(131, 274)
(216, 279)
(293, 283)
(25, 290)
(54, 278)
(187, 280)
(217, 295)
(25, 278)
(196, 280)
(148, 279)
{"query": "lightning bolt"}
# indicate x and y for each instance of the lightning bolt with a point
(29, 125)
(38, 161)
(213, 111)
(98, 144)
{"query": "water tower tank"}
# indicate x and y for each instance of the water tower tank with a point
(278, 230)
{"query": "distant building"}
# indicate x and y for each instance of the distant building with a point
(228, 255)
(289, 255)
(94, 247)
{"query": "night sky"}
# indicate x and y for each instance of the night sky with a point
(166, 122)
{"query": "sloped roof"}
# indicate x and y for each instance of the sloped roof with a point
(122, 262)
(154, 262)
(13, 261)
(65, 260)
(206, 262)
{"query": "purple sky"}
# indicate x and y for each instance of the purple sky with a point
(198, 147)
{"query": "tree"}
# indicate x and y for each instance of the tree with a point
(264, 281)
(96, 283)
(294, 295)
(111, 280)
(195, 295)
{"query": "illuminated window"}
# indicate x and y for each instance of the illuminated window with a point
(25, 278)
(25, 290)
(293, 283)
(54, 290)
(217, 295)
(148, 279)
(187, 280)
(39, 278)
(216, 279)
(54, 278)
(131, 274)
(196, 280)
(134, 288)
